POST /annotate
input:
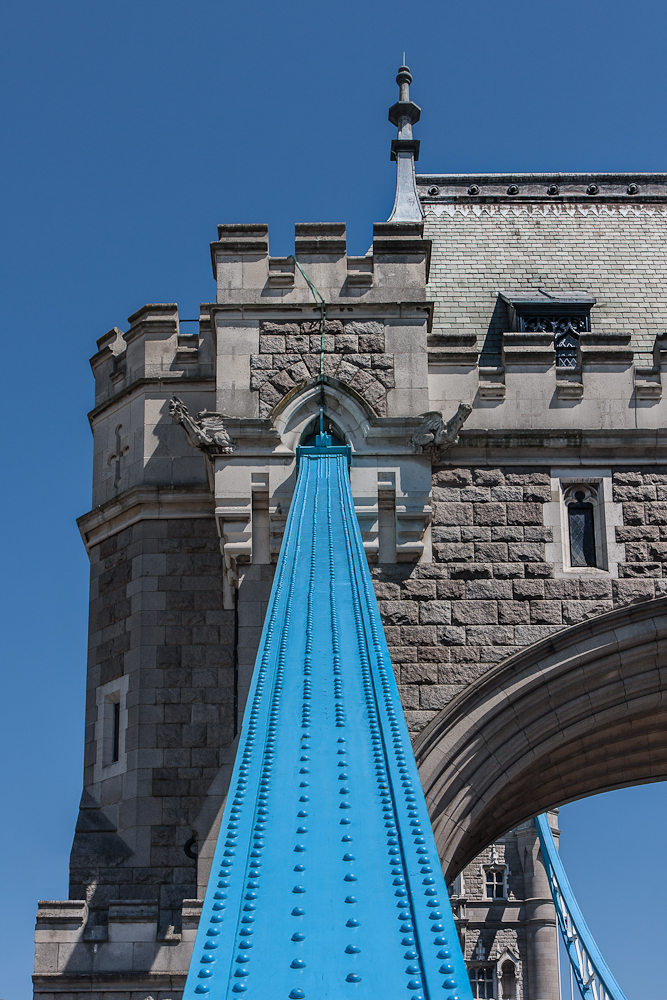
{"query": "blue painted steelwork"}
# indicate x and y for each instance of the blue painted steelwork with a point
(325, 880)
(594, 978)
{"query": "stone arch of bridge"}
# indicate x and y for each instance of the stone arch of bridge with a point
(582, 712)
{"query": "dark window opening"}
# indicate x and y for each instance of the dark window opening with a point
(115, 746)
(508, 981)
(582, 531)
(313, 429)
(495, 885)
(566, 330)
(481, 982)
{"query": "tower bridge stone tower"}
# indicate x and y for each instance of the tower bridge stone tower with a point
(495, 362)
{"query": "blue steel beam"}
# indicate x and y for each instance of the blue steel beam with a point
(594, 978)
(325, 881)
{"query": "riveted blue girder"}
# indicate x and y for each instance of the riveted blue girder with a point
(325, 881)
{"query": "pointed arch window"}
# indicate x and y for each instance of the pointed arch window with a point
(581, 502)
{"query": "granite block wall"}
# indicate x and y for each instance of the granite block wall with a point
(354, 353)
(490, 591)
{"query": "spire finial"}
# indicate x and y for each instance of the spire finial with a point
(405, 150)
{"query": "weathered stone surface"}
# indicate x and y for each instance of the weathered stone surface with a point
(474, 613)
(486, 590)
(420, 590)
(399, 612)
(513, 613)
(452, 513)
(435, 612)
(632, 591)
(490, 513)
(272, 345)
(453, 477)
(490, 635)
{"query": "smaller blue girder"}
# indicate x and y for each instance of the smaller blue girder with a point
(593, 975)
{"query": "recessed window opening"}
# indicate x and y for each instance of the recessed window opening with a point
(111, 728)
(115, 745)
(566, 331)
(580, 502)
(495, 884)
(508, 980)
(481, 982)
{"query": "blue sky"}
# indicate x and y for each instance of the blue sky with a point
(128, 131)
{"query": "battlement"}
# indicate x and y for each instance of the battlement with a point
(394, 269)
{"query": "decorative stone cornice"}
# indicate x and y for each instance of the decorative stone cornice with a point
(533, 208)
(142, 502)
(549, 446)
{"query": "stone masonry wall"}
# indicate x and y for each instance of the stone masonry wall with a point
(643, 493)
(289, 353)
(489, 590)
(156, 615)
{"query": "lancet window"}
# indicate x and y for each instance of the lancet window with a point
(581, 501)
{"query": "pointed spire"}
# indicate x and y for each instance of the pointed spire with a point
(405, 150)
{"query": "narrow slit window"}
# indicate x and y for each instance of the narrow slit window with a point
(115, 738)
(581, 521)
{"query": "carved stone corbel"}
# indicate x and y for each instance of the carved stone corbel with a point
(206, 431)
(434, 436)
(235, 530)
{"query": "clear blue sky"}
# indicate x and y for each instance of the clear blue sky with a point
(129, 129)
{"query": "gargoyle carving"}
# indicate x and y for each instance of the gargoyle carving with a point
(206, 431)
(434, 435)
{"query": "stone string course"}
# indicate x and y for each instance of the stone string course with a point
(289, 353)
(489, 589)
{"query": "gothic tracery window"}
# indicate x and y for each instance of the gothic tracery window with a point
(580, 501)
(566, 330)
